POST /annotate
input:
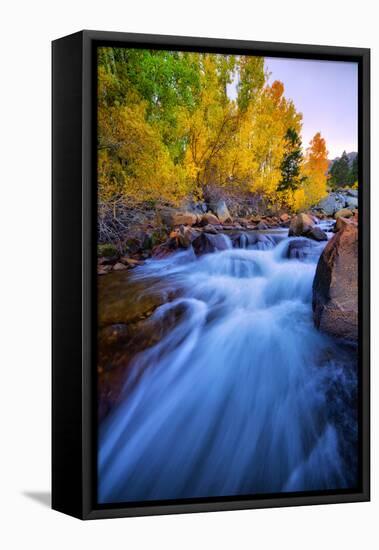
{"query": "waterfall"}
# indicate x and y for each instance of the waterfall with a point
(237, 398)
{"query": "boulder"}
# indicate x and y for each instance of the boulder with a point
(317, 234)
(173, 218)
(221, 211)
(186, 235)
(351, 202)
(262, 226)
(343, 213)
(244, 222)
(209, 218)
(335, 286)
(300, 225)
(210, 229)
(342, 222)
(284, 217)
(206, 243)
(184, 218)
(331, 204)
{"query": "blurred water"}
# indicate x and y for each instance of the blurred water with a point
(234, 400)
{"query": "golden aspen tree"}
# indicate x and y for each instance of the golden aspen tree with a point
(315, 171)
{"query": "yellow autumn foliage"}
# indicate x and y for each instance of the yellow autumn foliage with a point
(162, 143)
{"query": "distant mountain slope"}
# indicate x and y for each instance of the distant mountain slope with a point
(351, 156)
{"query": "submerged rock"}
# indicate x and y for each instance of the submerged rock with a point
(302, 249)
(262, 226)
(206, 243)
(335, 286)
(317, 234)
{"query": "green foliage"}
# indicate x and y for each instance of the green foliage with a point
(291, 178)
(340, 173)
(107, 250)
(251, 81)
(168, 128)
(354, 171)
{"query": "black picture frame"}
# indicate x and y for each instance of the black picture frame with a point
(74, 273)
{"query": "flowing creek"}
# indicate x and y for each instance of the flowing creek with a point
(242, 395)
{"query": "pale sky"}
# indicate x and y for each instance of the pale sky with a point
(326, 93)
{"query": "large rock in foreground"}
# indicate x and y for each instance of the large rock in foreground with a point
(335, 286)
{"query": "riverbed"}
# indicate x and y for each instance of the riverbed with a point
(241, 395)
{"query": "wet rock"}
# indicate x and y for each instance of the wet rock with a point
(209, 219)
(335, 286)
(284, 217)
(244, 222)
(302, 249)
(343, 213)
(186, 235)
(206, 243)
(300, 225)
(166, 248)
(118, 344)
(317, 234)
(210, 229)
(341, 222)
(262, 226)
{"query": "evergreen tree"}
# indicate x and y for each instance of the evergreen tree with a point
(340, 172)
(354, 171)
(291, 163)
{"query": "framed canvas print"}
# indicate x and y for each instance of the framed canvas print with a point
(210, 274)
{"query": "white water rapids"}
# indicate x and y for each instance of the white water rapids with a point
(238, 398)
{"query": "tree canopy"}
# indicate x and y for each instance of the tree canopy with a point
(173, 124)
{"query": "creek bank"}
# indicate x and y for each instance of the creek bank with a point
(177, 230)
